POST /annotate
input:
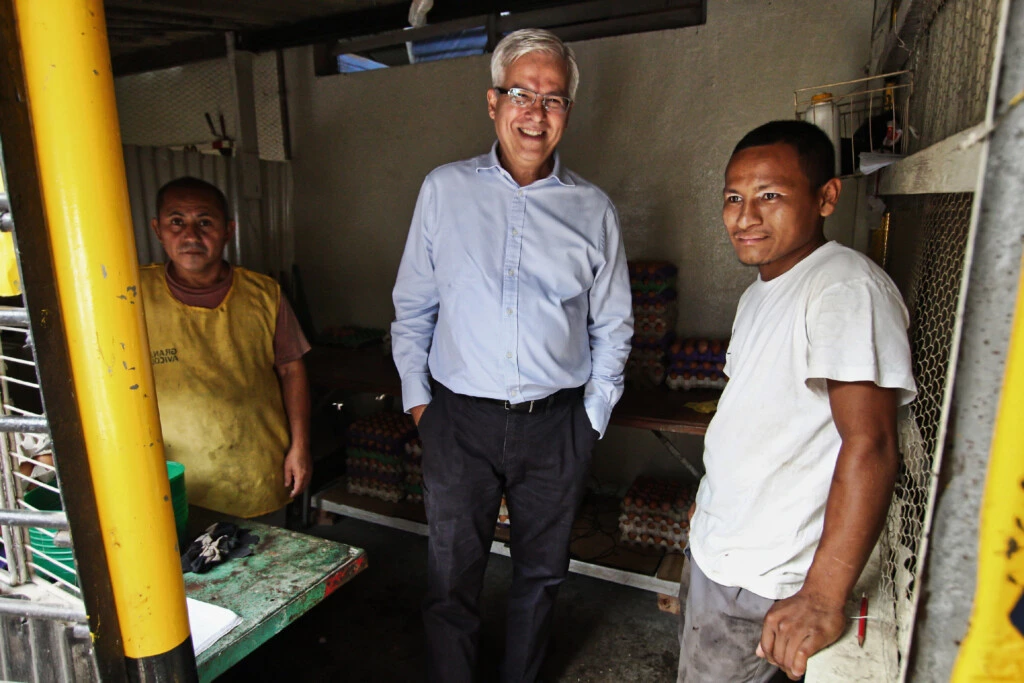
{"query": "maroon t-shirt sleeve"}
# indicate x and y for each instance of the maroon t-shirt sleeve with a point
(289, 342)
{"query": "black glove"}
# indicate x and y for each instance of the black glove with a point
(221, 542)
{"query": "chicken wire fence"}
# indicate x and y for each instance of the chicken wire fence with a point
(201, 90)
(951, 57)
(934, 230)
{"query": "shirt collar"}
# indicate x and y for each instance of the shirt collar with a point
(490, 161)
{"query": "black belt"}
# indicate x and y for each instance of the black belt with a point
(537, 406)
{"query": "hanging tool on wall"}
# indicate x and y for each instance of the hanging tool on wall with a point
(221, 142)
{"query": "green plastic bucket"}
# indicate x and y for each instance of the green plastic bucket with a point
(41, 540)
(179, 498)
(63, 560)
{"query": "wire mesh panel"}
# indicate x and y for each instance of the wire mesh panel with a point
(952, 63)
(30, 478)
(269, 128)
(198, 91)
(169, 107)
(928, 263)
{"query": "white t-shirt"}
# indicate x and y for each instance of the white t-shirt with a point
(771, 449)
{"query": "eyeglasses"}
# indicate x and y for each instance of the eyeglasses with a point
(555, 104)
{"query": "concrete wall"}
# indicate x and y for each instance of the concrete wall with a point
(657, 116)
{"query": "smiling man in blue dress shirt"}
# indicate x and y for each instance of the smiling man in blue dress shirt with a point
(512, 328)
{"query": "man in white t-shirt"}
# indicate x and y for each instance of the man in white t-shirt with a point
(801, 456)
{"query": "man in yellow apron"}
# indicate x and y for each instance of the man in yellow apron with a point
(227, 355)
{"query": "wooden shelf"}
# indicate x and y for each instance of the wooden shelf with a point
(663, 409)
(596, 548)
(367, 370)
(370, 370)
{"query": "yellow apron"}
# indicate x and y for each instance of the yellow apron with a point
(219, 398)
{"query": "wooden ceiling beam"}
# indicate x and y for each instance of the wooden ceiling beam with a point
(213, 46)
(367, 25)
(231, 11)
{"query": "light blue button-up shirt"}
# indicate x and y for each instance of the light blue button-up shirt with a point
(512, 292)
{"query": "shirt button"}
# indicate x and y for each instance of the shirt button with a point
(509, 311)
(513, 392)
(511, 272)
(508, 354)
(514, 232)
(519, 194)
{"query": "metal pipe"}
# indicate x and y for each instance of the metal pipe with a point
(26, 608)
(6, 222)
(70, 94)
(40, 518)
(677, 454)
(10, 315)
(24, 423)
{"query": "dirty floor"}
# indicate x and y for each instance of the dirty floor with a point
(370, 629)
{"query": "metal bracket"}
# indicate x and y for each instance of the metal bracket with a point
(675, 452)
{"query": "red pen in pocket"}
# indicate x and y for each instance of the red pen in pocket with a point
(862, 623)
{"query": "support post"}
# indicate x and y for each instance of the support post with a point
(80, 180)
(950, 577)
(250, 246)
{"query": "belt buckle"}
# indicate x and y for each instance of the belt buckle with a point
(511, 407)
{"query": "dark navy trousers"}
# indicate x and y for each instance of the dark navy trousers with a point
(473, 451)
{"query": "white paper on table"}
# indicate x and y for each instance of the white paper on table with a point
(209, 623)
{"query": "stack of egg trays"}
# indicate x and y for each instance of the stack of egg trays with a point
(503, 518)
(379, 447)
(654, 319)
(413, 468)
(653, 513)
(697, 364)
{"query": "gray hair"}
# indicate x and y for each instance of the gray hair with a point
(527, 40)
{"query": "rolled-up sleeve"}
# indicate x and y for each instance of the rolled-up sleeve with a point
(610, 326)
(416, 304)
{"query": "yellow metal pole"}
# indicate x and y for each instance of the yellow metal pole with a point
(71, 100)
(994, 647)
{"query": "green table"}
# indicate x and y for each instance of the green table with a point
(288, 575)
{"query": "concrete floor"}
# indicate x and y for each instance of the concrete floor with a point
(370, 629)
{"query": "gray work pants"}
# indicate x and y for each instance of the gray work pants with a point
(719, 629)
